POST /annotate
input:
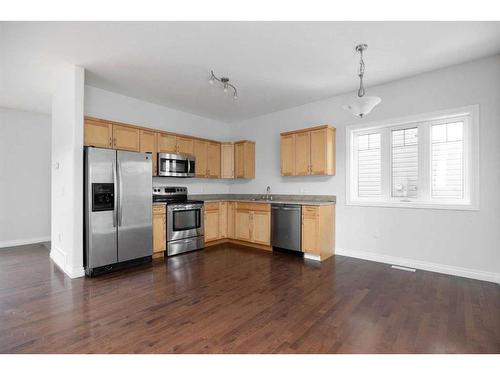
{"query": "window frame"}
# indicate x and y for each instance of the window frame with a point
(424, 198)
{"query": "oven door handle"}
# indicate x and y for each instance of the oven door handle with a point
(184, 208)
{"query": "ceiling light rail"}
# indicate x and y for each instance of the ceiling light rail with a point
(225, 84)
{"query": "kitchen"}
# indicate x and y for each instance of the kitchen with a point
(249, 187)
(182, 223)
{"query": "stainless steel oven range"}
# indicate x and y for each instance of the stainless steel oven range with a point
(185, 228)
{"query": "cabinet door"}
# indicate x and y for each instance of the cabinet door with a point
(227, 160)
(167, 143)
(239, 160)
(250, 160)
(213, 160)
(98, 134)
(185, 145)
(287, 155)
(148, 144)
(302, 153)
(230, 219)
(242, 225)
(223, 220)
(126, 138)
(211, 225)
(310, 230)
(261, 231)
(200, 153)
(159, 233)
(318, 151)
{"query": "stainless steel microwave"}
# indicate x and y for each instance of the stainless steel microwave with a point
(175, 165)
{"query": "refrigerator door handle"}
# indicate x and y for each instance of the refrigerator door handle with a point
(119, 211)
(115, 194)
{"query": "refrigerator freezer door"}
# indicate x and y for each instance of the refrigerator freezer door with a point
(135, 231)
(100, 223)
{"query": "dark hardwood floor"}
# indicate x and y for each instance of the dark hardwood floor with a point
(231, 299)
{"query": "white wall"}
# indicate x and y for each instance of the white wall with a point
(67, 171)
(460, 242)
(111, 106)
(25, 139)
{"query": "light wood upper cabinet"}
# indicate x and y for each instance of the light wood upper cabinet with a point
(322, 152)
(126, 138)
(244, 159)
(213, 169)
(98, 133)
(185, 145)
(167, 143)
(302, 153)
(201, 153)
(287, 155)
(159, 228)
(227, 160)
(308, 152)
(148, 143)
(213, 159)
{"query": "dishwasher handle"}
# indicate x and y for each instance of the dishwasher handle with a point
(287, 208)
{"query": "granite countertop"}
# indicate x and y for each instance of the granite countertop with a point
(312, 200)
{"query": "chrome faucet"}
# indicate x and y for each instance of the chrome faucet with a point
(268, 193)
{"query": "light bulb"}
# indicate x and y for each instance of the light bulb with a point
(225, 88)
(235, 97)
(211, 81)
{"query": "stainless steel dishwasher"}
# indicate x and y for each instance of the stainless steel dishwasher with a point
(286, 226)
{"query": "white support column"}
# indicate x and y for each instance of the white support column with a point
(67, 171)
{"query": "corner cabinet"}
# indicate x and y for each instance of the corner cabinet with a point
(253, 223)
(244, 159)
(308, 152)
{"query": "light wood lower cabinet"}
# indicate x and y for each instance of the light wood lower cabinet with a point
(159, 229)
(212, 221)
(318, 230)
(231, 209)
(253, 223)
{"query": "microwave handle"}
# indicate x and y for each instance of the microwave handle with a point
(189, 166)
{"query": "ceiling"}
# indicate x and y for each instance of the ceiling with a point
(275, 65)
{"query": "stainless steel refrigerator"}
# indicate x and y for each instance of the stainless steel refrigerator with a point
(117, 207)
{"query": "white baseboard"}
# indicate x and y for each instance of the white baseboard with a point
(59, 258)
(421, 265)
(25, 241)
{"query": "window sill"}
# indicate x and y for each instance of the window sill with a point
(421, 205)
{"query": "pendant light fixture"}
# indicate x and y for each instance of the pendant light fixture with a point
(225, 84)
(362, 105)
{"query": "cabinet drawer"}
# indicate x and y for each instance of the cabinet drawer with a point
(253, 206)
(211, 206)
(159, 209)
(310, 211)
